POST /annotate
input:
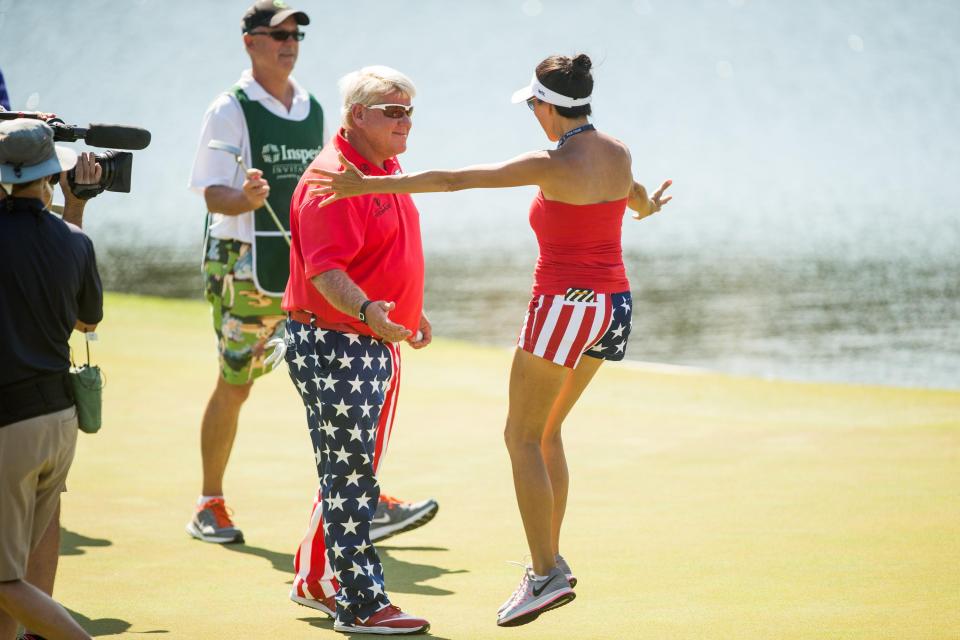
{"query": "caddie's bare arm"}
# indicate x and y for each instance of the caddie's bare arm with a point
(230, 201)
(344, 294)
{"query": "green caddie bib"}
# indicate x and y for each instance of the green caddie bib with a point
(282, 149)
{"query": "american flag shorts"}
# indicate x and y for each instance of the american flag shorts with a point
(562, 328)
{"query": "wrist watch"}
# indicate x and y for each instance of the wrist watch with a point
(363, 311)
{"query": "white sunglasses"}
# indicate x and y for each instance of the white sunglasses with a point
(395, 111)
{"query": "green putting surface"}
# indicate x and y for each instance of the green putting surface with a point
(701, 506)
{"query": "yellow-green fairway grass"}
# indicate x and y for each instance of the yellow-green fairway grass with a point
(701, 505)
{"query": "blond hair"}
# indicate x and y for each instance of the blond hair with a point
(368, 86)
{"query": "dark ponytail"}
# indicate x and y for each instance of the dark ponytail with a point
(582, 63)
(570, 77)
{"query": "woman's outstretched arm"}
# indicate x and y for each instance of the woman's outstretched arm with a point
(529, 168)
(644, 206)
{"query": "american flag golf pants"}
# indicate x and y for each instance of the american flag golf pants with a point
(348, 384)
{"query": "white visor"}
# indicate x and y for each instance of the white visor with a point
(540, 92)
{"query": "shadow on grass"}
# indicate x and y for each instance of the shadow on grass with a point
(323, 622)
(282, 562)
(106, 626)
(407, 577)
(71, 543)
(402, 576)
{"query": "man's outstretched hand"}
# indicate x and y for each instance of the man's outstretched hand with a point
(379, 320)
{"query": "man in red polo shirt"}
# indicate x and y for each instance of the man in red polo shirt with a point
(355, 291)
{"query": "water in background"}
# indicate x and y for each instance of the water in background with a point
(815, 232)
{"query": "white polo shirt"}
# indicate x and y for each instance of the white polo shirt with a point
(224, 121)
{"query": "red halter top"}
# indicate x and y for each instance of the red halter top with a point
(580, 246)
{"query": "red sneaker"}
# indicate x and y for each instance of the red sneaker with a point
(327, 605)
(388, 621)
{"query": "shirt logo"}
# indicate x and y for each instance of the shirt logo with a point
(380, 207)
(271, 154)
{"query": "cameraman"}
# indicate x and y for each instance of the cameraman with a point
(49, 285)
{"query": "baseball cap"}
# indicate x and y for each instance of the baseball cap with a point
(270, 13)
(27, 152)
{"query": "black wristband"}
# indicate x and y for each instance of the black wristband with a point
(363, 311)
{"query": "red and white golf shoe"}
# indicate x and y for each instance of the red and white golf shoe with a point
(388, 621)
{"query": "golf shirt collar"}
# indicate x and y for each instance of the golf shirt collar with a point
(256, 92)
(391, 165)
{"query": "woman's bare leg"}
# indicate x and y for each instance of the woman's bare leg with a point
(551, 443)
(535, 384)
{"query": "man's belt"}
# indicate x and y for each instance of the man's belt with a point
(35, 397)
(309, 319)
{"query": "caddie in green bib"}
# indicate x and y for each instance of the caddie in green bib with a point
(282, 149)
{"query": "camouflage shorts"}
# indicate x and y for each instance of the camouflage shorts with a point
(243, 317)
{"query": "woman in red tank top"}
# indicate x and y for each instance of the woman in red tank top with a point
(581, 297)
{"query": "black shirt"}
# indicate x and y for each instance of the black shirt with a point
(48, 280)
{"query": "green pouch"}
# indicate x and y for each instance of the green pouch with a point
(87, 382)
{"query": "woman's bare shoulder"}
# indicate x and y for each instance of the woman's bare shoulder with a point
(615, 145)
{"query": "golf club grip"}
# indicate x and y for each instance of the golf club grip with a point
(266, 204)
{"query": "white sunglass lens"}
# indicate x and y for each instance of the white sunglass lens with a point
(395, 111)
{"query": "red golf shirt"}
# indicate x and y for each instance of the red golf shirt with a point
(375, 239)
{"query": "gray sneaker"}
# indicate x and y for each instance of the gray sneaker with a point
(393, 516)
(212, 523)
(563, 566)
(534, 597)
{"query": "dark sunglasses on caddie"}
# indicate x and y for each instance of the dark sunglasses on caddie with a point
(395, 111)
(54, 178)
(280, 35)
(532, 103)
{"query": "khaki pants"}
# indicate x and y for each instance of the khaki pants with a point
(35, 456)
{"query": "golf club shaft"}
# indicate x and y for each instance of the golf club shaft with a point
(266, 204)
